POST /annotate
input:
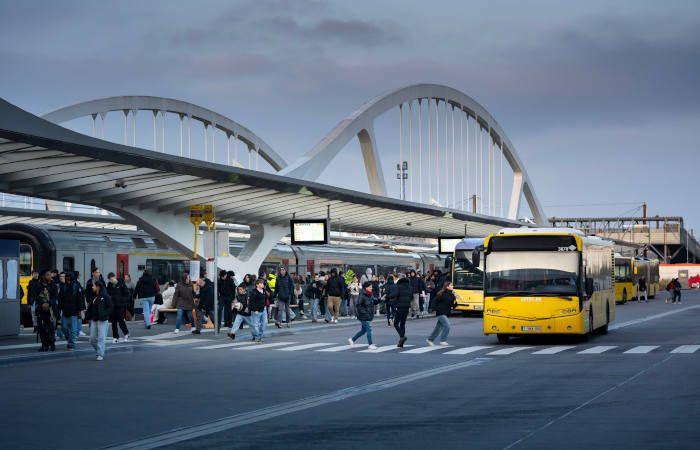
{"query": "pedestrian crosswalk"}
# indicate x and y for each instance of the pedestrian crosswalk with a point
(451, 350)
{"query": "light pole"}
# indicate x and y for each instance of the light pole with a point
(402, 176)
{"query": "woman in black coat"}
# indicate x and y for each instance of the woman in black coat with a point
(120, 297)
(99, 309)
(444, 302)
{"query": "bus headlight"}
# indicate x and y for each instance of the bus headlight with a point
(568, 311)
(493, 311)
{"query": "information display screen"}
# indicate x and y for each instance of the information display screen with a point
(446, 245)
(309, 232)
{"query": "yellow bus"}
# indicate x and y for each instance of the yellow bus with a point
(649, 270)
(468, 279)
(625, 283)
(547, 281)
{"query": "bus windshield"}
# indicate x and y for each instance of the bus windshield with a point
(467, 275)
(535, 272)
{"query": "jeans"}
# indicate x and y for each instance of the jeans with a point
(146, 304)
(400, 321)
(343, 307)
(188, 313)
(283, 308)
(70, 326)
(249, 321)
(353, 305)
(366, 328)
(98, 334)
(415, 308)
(314, 309)
(390, 311)
(257, 319)
(442, 327)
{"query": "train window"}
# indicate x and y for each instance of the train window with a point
(93, 265)
(165, 270)
(11, 280)
(69, 264)
(26, 257)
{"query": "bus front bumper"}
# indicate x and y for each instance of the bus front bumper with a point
(556, 325)
(471, 307)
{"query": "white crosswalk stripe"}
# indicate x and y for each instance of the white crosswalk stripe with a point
(229, 345)
(686, 349)
(426, 349)
(642, 349)
(160, 343)
(341, 348)
(264, 346)
(384, 348)
(467, 350)
(507, 351)
(554, 350)
(294, 348)
(597, 349)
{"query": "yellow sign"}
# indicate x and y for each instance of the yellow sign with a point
(196, 214)
(209, 216)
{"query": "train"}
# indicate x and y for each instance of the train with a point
(71, 249)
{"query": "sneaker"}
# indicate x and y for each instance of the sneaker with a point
(402, 341)
(82, 333)
(372, 347)
(351, 342)
(99, 358)
(196, 332)
(277, 324)
(177, 330)
(430, 343)
(259, 341)
(289, 325)
(327, 321)
(115, 340)
(232, 336)
(444, 343)
(126, 337)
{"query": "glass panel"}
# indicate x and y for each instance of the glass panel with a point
(25, 260)
(12, 279)
(532, 272)
(68, 264)
(2, 279)
(468, 276)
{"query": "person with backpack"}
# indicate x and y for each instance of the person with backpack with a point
(676, 291)
(120, 297)
(365, 313)
(145, 290)
(99, 309)
(445, 300)
(642, 290)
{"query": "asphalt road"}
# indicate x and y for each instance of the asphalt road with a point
(636, 387)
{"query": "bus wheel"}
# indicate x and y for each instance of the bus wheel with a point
(604, 328)
(503, 338)
(624, 296)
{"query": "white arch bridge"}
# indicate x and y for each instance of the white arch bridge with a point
(455, 153)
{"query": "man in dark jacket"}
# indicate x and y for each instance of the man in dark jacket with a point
(33, 291)
(390, 296)
(227, 291)
(145, 290)
(402, 296)
(365, 313)
(206, 298)
(120, 297)
(334, 289)
(314, 292)
(256, 302)
(418, 291)
(99, 309)
(284, 290)
(70, 301)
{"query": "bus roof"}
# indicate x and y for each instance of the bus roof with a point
(469, 243)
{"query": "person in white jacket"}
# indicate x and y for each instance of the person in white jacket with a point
(167, 294)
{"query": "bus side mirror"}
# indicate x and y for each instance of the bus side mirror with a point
(476, 257)
(448, 262)
(590, 289)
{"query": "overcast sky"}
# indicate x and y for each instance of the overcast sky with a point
(601, 99)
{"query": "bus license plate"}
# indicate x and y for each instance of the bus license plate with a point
(478, 307)
(531, 328)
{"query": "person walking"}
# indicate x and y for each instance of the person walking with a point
(313, 293)
(120, 295)
(284, 290)
(71, 303)
(204, 299)
(258, 315)
(642, 290)
(334, 288)
(99, 309)
(389, 299)
(131, 286)
(418, 291)
(145, 290)
(241, 304)
(676, 291)
(445, 300)
(183, 300)
(402, 297)
(354, 291)
(365, 313)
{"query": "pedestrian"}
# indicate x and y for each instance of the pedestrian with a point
(389, 299)
(313, 293)
(418, 291)
(145, 290)
(445, 300)
(120, 295)
(334, 288)
(299, 294)
(429, 294)
(241, 305)
(676, 291)
(183, 300)
(402, 297)
(354, 294)
(642, 290)
(128, 282)
(45, 322)
(226, 292)
(257, 301)
(365, 313)
(34, 288)
(99, 309)
(284, 290)
(71, 303)
(204, 299)
(167, 295)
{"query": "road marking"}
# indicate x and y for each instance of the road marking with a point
(385, 348)
(19, 346)
(597, 349)
(426, 349)
(304, 346)
(648, 318)
(168, 335)
(169, 343)
(214, 347)
(686, 349)
(467, 350)
(642, 349)
(340, 348)
(263, 346)
(553, 350)
(507, 351)
(177, 435)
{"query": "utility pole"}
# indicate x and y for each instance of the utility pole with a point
(474, 203)
(402, 176)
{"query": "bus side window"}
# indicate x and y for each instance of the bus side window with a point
(68, 264)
